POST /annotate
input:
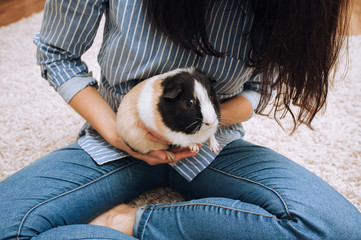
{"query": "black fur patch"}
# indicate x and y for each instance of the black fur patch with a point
(175, 106)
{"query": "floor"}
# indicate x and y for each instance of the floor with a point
(13, 10)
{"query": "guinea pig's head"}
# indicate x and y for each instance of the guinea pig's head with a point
(188, 103)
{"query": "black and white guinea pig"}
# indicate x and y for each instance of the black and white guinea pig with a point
(179, 105)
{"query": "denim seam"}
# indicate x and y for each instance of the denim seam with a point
(140, 220)
(260, 184)
(65, 193)
(145, 222)
(228, 208)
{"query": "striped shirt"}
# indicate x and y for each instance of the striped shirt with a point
(132, 51)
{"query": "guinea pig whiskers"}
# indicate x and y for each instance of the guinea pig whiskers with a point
(191, 125)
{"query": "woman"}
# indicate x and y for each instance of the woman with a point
(252, 48)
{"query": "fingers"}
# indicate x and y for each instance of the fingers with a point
(181, 149)
(161, 157)
(183, 154)
(153, 136)
(153, 158)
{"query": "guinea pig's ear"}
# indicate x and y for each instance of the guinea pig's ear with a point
(172, 90)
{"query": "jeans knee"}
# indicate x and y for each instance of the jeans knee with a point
(8, 229)
(332, 225)
(22, 218)
(17, 224)
(345, 227)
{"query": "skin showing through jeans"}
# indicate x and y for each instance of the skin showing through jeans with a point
(120, 218)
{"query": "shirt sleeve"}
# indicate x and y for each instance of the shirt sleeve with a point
(252, 90)
(68, 30)
(72, 86)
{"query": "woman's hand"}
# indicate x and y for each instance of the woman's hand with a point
(179, 153)
(154, 157)
(153, 136)
(95, 110)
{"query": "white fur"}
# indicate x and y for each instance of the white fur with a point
(145, 103)
(207, 108)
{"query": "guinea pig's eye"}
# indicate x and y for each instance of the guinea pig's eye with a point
(190, 103)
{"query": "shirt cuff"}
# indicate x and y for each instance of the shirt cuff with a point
(253, 97)
(70, 88)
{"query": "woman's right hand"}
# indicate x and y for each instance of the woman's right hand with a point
(97, 112)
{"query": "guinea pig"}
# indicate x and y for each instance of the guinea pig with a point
(180, 105)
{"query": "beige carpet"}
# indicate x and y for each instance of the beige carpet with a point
(34, 120)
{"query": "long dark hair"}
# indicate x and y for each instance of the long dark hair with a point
(301, 41)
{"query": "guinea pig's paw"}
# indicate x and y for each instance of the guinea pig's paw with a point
(193, 147)
(213, 144)
(170, 156)
(215, 148)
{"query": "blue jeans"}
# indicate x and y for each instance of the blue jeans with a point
(248, 192)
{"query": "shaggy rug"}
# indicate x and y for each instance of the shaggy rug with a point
(34, 120)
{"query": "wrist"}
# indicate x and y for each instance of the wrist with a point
(113, 138)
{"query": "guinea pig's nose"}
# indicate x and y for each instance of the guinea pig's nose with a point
(209, 123)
